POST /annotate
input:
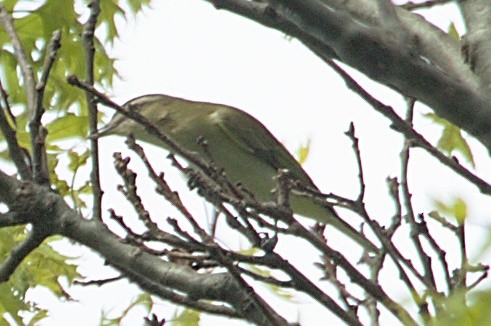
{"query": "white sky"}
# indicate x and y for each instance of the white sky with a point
(187, 48)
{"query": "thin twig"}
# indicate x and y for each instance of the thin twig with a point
(88, 42)
(407, 196)
(98, 282)
(396, 220)
(213, 249)
(351, 134)
(38, 131)
(273, 318)
(266, 279)
(330, 273)
(177, 229)
(401, 126)
(39, 159)
(439, 251)
(163, 187)
(485, 270)
(373, 289)
(464, 260)
(18, 154)
(205, 189)
(425, 4)
(49, 60)
(193, 158)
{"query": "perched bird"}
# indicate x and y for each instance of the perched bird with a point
(236, 142)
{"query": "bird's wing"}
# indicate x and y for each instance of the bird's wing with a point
(252, 136)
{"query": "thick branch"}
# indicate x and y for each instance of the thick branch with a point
(477, 16)
(45, 208)
(377, 53)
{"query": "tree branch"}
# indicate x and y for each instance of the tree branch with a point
(48, 211)
(425, 4)
(449, 89)
(18, 154)
(88, 43)
(417, 139)
(476, 49)
(34, 239)
(34, 104)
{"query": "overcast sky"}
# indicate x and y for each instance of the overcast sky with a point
(186, 48)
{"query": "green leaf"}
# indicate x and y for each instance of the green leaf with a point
(67, 127)
(138, 5)
(452, 31)
(187, 317)
(457, 209)
(77, 160)
(143, 300)
(451, 139)
(303, 152)
(51, 22)
(109, 10)
(40, 315)
(10, 78)
(47, 265)
(9, 4)
(456, 313)
(43, 267)
(11, 303)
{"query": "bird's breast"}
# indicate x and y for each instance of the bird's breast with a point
(240, 165)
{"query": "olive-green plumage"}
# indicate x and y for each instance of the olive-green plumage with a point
(237, 142)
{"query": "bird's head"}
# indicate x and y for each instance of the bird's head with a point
(154, 107)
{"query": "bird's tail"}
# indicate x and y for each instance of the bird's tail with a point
(326, 215)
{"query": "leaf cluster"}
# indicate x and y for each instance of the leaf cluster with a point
(65, 118)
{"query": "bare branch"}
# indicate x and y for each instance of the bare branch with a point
(416, 139)
(477, 16)
(38, 131)
(452, 92)
(49, 60)
(424, 4)
(19, 155)
(98, 282)
(439, 251)
(351, 134)
(48, 211)
(410, 215)
(373, 289)
(88, 43)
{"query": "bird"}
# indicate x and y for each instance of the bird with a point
(236, 142)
